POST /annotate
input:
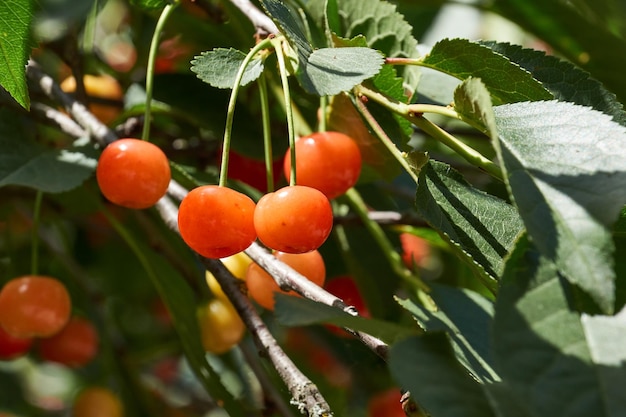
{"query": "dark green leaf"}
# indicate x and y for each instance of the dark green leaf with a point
(565, 168)
(552, 361)
(585, 42)
(481, 227)
(330, 71)
(298, 311)
(24, 162)
(382, 26)
(15, 20)
(565, 81)
(219, 67)
(426, 366)
(290, 25)
(466, 317)
(506, 81)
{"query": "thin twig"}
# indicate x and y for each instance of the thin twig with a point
(305, 395)
(263, 24)
(79, 112)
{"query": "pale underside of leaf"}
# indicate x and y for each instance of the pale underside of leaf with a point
(219, 67)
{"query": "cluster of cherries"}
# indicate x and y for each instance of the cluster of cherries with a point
(38, 308)
(219, 222)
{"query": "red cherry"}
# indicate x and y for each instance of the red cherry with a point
(327, 161)
(12, 347)
(216, 221)
(262, 287)
(415, 250)
(34, 306)
(133, 173)
(251, 171)
(345, 288)
(294, 219)
(386, 404)
(75, 345)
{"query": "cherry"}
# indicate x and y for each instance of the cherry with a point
(262, 287)
(75, 345)
(386, 404)
(294, 219)
(251, 171)
(133, 173)
(346, 289)
(415, 250)
(216, 221)
(97, 402)
(237, 264)
(12, 347)
(327, 161)
(98, 86)
(220, 326)
(34, 306)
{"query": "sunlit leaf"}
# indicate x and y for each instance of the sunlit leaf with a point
(565, 168)
(15, 20)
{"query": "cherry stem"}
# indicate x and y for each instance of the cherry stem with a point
(409, 112)
(278, 46)
(322, 122)
(267, 133)
(230, 114)
(34, 260)
(154, 48)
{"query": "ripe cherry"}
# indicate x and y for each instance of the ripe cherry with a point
(237, 264)
(133, 173)
(386, 404)
(75, 345)
(294, 219)
(262, 287)
(12, 347)
(220, 326)
(216, 221)
(34, 306)
(97, 402)
(328, 161)
(346, 289)
(251, 171)
(415, 250)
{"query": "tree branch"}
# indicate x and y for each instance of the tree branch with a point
(96, 129)
(304, 393)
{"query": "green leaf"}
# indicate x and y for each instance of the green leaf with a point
(565, 169)
(557, 363)
(15, 20)
(426, 366)
(379, 22)
(466, 317)
(565, 81)
(330, 71)
(26, 163)
(150, 4)
(290, 24)
(298, 311)
(219, 67)
(473, 102)
(572, 34)
(505, 80)
(481, 227)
